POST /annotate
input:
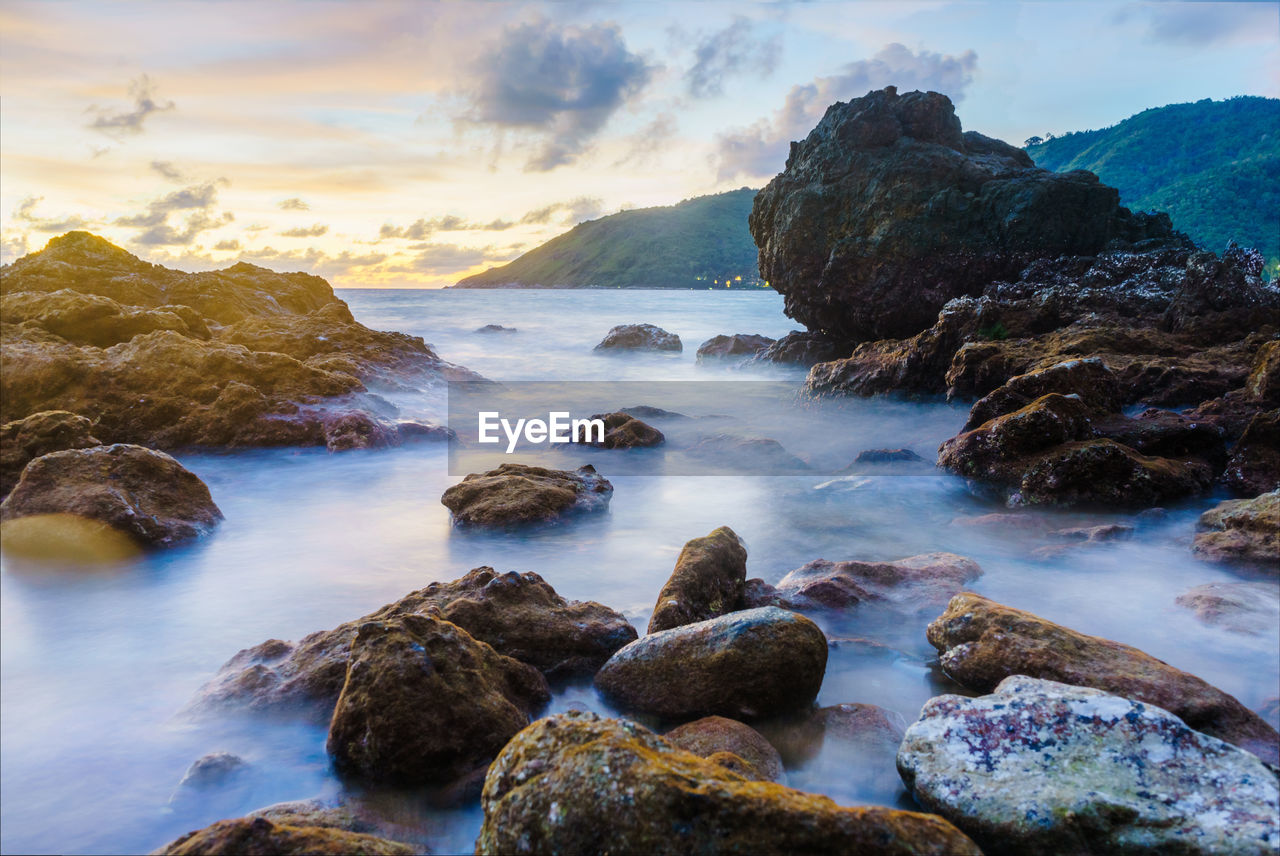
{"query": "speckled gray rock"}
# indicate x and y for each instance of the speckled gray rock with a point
(1044, 767)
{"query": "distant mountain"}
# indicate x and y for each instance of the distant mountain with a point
(1214, 166)
(699, 243)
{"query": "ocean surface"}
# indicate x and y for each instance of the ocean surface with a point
(96, 663)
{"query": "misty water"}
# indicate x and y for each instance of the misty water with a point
(99, 661)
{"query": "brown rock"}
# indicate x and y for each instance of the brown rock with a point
(707, 581)
(1088, 380)
(1251, 608)
(981, 642)
(1103, 472)
(714, 735)
(737, 345)
(1000, 450)
(518, 493)
(1254, 466)
(624, 431)
(646, 337)
(923, 582)
(1263, 382)
(261, 836)
(1243, 531)
(24, 440)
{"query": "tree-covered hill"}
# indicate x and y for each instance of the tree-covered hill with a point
(699, 243)
(1214, 166)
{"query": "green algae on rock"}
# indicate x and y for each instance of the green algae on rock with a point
(259, 835)
(707, 581)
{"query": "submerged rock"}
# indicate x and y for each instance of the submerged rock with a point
(746, 664)
(624, 431)
(917, 583)
(715, 735)
(738, 345)
(576, 783)
(1252, 608)
(144, 493)
(645, 337)
(519, 615)
(731, 452)
(24, 440)
(1243, 531)
(707, 581)
(424, 702)
(1044, 767)
(519, 493)
(887, 456)
(981, 642)
(260, 835)
(495, 328)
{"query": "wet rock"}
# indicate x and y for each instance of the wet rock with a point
(1103, 472)
(143, 493)
(358, 430)
(1252, 608)
(756, 592)
(707, 581)
(24, 440)
(848, 750)
(1089, 381)
(576, 783)
(712, 735)
(981, 642)
(647, 411)
(1163, 433)
(737, 345)
(746, 664)
(519, 615)
(1254, 466)
(1000, 450)
(1243, 531)
(216, 768)
(800, 347)
(214, 783)
(645, 337)
(422, 432)
(519, 493)
(260, 835)
(1043, 767)
(886, 456)
(1094, 534)
(624, 431)
(939, 214)
(917, 583)
(1263, 382)
(424, 702)
(734, 453)
(495, 328)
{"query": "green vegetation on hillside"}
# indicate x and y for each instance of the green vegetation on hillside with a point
(699, 243)
(1214, 166)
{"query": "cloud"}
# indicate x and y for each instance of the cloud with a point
(439, 259)
(13, 246)
(760, 149)
(294, 204)
(730, 51)
(421, 229)
(560, 84)
(118, 124)
(26, 213)
(313, 231)
(312, 260)
(227, 245)
(644, 145)
(577, 210)
(167, 170)
(199, 199)
(1202, 24)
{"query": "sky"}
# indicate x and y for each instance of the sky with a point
(409, 144)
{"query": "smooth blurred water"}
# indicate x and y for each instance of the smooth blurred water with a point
(96, 663)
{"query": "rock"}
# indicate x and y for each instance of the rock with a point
(1163, 433)
(358, 430)
(733, 453)
(214, 769)
(639, 337)
(746, 664)
(1089, 381)
(981, 642)
(576, 783)
(1263, 383)
(800, 347)
(756, 592)
(143, 493)
(1043, 767)
(1270, 711)
(1252, 608)
(713, 735)
(364, 816)
(1254, 465)
(519, 493)
(914, 584)
(519, 615)
(886, 456)
(1001, 450)
(259, 835)
(425, 703)
(24, 440)
(939, 214)
(624, 431)
(1103, 472)
(423, 432)
(707, 581)
(650, 412)
(214, 783)
(91, 319)
(846, 749)
(737, 345)
(1244, 531)
(495, 328)
(1094, 534)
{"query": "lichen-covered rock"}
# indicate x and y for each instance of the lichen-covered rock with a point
(518, 493)
(743, 665)
(519, 615)
(981, 642)
(425, 703)
(1243, 531)
(576, 783)
(1254, 466)
(707, 581)
(24, 440)
(624, 431)
(646, 337)
(738, 345)
(924, 582)
(1089, 380)
(1043, 767)
(1104, 472)
(144, 493)
(1252, 607)
(711, 735)
(259, 835)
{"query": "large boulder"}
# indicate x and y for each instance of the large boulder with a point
(141, 492)
(519, 615)
(576, 783)
(1242, 531)
(639, 337)
(743, 665)
(425, 703)
(1043, 767)
(714, 736)
(24, 440)
(1089, 381)
(981, 642)
(1000, 449)
(924, 582)
(515, 494)
(707, 581)
(259, 835)
(887, 210)
(738, 345)
(1104, 472)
